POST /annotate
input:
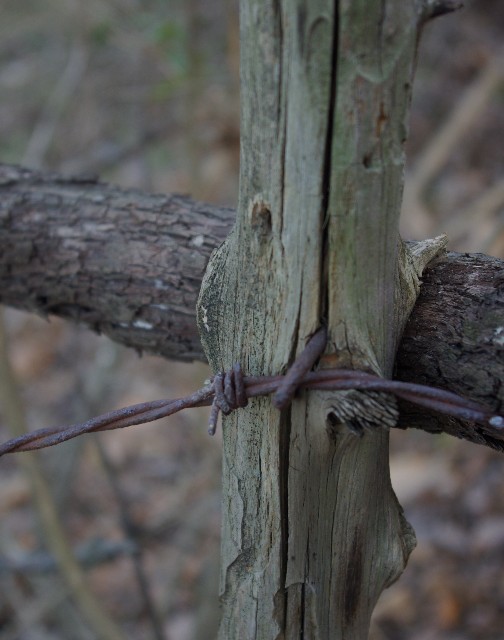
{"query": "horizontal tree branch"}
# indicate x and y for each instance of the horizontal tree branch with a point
(124, 263)
(454, 339)
(129, 265)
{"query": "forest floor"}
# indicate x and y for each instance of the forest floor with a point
(148, 98)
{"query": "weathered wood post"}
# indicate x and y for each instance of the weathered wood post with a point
(312, 531)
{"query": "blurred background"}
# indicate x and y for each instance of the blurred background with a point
(145, 94)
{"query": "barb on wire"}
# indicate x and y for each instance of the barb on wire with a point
(231, 390)
(304, 363)
(229, 394)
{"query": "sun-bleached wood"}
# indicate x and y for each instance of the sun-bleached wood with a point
(312, 532)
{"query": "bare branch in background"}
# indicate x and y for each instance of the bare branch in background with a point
(97, 618)
(443, 143)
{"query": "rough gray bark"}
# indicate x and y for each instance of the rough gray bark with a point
(458, 291)
(455, 340)
(124, 263)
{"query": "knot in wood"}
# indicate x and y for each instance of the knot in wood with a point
(260, 219)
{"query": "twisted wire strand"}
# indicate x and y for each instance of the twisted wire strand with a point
(231, 390)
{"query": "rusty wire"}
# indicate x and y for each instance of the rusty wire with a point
(229, 391)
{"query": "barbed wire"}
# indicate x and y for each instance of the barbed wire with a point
(229, 391)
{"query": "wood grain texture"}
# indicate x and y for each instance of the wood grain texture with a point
(312, 532)
(251, 299)
(348, 539)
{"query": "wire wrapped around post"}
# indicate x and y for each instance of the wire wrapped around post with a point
(229, 391)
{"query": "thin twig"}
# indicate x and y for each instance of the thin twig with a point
(97, 618)
(28, 617)
(90, 554)
(45, 129)
(437, 152)
(468, 109)
(131, 535)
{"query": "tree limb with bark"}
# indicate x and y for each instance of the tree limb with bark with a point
(129, 265)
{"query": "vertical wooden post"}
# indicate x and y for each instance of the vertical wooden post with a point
(312, 531)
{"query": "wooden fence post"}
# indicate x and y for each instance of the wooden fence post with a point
(312, 531)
